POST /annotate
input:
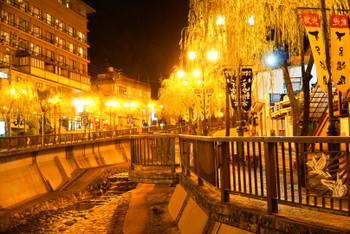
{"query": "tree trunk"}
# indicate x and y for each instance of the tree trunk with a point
(306, 90)
(292, 100)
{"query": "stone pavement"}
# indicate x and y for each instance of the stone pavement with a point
(148, 210)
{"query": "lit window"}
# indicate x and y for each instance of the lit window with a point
(49, 19)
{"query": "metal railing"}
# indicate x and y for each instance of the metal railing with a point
(36, 141)
(296, 171)
(153, 150)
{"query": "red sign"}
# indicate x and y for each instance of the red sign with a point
(197, 91)
(310, 20)
(339, 21)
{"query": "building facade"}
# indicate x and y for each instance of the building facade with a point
(128, 99)
(45, 42)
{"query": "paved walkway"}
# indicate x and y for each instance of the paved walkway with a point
(136, 220)
(148, 210)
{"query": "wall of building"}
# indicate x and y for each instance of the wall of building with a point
(39, 53)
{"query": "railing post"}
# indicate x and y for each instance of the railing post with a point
(132, 150)
(224, 165)
(272, 206)
(172, 154)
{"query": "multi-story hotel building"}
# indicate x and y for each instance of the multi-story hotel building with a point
(45, 42)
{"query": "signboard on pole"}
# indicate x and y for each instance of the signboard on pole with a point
(314, 32)
(246, 89)
(340, 51)
(231, 85)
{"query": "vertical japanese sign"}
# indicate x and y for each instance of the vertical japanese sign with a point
(231, 85)
(340, 51)
(246, 89)
(246, 86)
(314, 32)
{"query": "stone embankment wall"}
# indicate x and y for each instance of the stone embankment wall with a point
(198, 209)
(26, 175)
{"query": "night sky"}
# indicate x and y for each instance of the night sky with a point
(141, 37)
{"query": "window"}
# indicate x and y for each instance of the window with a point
(36, 31)
(4, 59)
(24, 61)
(81, 36)
(23, 5)
(50, 54)
(22, 44)
(68, 5)
(60, 25)
(7, 17)
(22, 24)
(62, 43)
(37, 63)
(36, 12)
(4, 75)
(61, 59)
(71, 31)
(36, 49)
(71, 47)
(72, 64)
(81, 52)
(50, 37)
(4, 38)
(122, 90)
(49, 19)
(83, 68)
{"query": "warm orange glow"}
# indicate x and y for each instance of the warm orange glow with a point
(196, 73)
(112, 103)
(212, 55)
(191, 55)
(220, 20)
(180, 73)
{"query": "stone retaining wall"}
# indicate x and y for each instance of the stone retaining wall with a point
(213, 216)
(27, 175)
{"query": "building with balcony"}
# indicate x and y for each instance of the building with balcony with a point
(45, 42)
(130, 98)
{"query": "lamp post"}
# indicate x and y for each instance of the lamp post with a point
(212, 56)
(220, 22)
(111, 104)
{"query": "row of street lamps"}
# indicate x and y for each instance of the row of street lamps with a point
(212, 56)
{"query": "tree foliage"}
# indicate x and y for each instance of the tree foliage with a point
(249, 30)
(183, 97)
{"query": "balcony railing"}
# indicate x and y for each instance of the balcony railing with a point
(48, 21)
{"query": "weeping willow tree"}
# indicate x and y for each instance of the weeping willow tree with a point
(249, 30)
(182, 97)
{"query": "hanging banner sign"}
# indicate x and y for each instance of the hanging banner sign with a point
(340, 51)
(314, 32)
(246, 89)
(231, 85)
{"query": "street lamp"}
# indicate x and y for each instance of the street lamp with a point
(111, 104)
(212, 56)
